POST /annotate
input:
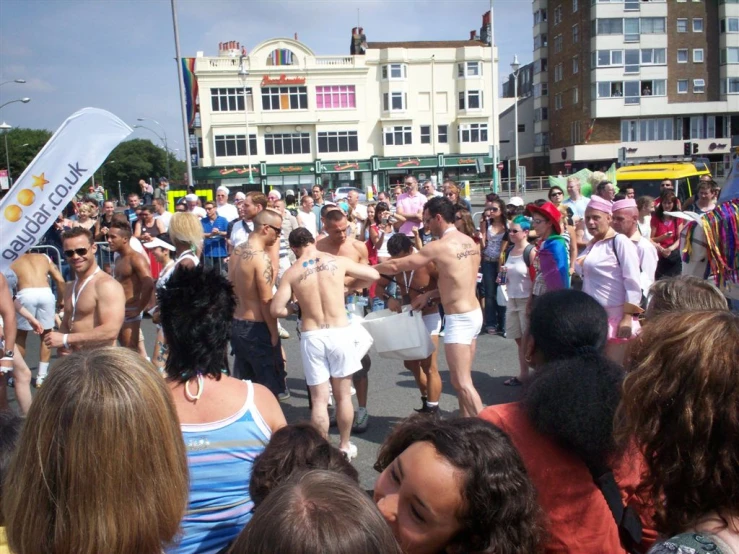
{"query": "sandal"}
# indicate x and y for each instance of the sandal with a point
(513, 382)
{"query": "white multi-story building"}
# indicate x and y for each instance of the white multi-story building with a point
(363, 119)
(658, 78)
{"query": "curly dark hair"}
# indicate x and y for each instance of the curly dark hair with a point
(500, 513)
(681, 405)
(292, 449)
(196, 308)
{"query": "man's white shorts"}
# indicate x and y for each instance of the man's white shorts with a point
(432, 323)
(41, 303)
(462, 328)
(335, 352)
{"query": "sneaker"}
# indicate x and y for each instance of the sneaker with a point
(281, 397)
(10, 381)
(441, 333)
(360, 424)
(282, 332)
(350, 452)
(40, 381)
(353, 390)
(432, 411)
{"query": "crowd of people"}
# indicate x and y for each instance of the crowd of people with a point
(623, 439)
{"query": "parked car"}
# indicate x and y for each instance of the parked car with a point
(342, 192)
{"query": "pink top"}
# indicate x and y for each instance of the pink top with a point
(660, 227)
(610, 272)
(408, 204)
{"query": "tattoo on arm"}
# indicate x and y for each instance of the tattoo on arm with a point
(268, 272)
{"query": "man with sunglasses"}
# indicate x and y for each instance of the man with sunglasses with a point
(410, 206)
(94, 305)
(254, 335)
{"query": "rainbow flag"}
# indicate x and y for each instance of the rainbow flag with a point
(281, 57)
(191, 88)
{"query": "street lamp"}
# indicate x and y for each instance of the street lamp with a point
(163, 139)
(4, 126)
(19, 81)
(243, 75)
(515, 67)
(164, 132)
(24, 100)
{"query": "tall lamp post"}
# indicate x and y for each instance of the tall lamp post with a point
(24, 100)
(19, 81)
(5, 127)
(515, 67)
(164, 132)
(243, 75)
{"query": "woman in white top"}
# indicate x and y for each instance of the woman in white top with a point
(518, 278)
(383, 229)
(645, 205)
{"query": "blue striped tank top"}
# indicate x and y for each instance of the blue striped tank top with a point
(220, 456)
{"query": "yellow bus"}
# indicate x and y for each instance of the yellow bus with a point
(646, 178)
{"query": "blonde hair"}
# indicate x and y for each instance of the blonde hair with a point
(185, 228)
(101, 463)
(85, 208)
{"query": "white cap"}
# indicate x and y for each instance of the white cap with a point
(191, 197)
(289, 192)
(157, 242)
(274, 193)
(222, 189)
(515, 201)
(239, 196)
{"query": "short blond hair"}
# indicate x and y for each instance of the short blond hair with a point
(101, 463)
(185, 228)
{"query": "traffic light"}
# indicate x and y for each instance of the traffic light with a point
(695, 148)
(687, 148)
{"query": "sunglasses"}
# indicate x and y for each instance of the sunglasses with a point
(513, 231)
(277, 230)
(79, 251)
(537, 221)
(556, 194)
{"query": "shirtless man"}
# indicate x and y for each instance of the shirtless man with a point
(329, 346)
(411, 284)
(254, 336)
(133, 273)
(457, 260)
(93, 304)
(338, 243)
(35, 295)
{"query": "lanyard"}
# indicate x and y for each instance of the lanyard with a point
(75, 297)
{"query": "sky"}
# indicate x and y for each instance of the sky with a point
(119, 54)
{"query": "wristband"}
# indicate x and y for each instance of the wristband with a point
(6, 359)
(64, 341)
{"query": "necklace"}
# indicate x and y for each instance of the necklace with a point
(201, 385)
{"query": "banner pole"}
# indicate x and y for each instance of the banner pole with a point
(180, 82)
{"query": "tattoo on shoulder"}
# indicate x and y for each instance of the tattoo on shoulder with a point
(316, 265)
(468, 250)
(245, 253)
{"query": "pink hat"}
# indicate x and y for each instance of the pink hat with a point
(623, 204)
(600, 204)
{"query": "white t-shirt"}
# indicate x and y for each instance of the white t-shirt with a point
(517, 274)
(165, 218)
(198, 212)
(240, 232)
(228, 211)
(308, 220)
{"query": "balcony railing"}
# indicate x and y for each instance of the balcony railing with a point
(220, 64)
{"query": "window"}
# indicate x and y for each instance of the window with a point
(682, 55)
(682, 25)
(398, 136)
(473, 132)
(558, 15)
(338, 141)
(697, 24)
(284, 98)
(234, 145)
(394, 101)
(540, 16)
(730, 25)
(521, 127)
(682, 86)
(699, 85)
(697, 55)
(631, 61)
(230, 99)
(574, 6)
(575, 95)
(469, 69)
(470, 100)
(540, 41)
(394, 71)
(575, 64)
(730, 86)
(541, 89)
(635, 130)
(558, 73)
(541, 140)
(575, 33)
(652, 25)
(558, 101)
(575, 137)
(729, 55)
(558, 41)
(631, 29)
(610, 26)
(335, 97)
(608, 58)
(425, 134)
(287, 143)
(540, 114)
(696, 127)
(653, 56)
(442, 135)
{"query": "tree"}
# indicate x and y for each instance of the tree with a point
(23, 145)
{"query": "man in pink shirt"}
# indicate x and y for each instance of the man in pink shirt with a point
(625, 219)
(410, 206)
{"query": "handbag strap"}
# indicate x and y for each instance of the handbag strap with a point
(626, 518)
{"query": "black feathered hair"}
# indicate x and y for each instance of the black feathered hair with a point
(196, 308)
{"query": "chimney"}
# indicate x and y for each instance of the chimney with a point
(296, 36)
(473, 33)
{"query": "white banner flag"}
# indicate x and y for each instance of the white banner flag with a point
(54, 176)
